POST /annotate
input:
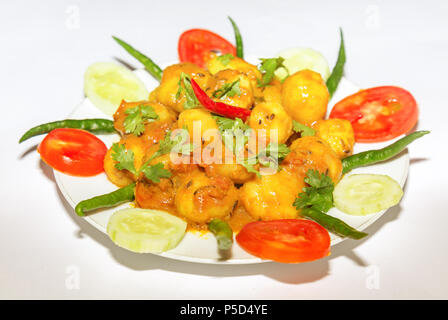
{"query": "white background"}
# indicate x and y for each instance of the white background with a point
(47, 45)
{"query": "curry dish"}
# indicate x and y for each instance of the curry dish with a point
(199, 192)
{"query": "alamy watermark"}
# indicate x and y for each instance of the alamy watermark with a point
(73, 19)
(73, 277)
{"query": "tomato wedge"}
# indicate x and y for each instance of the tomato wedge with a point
(198, 46)
(378, 114)
(73, 151)
(286, 240)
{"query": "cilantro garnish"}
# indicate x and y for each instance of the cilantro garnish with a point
(303, 129)
(249, 164)
(123, 157)
(225, 58)
(136, 118)
(190, 98)
(269, 158)
(231, 129)
(230, 124)
(279, 151)
(155, 172)
(169, 144)
(319, 195)
(267, 68)
(228, 90)
(272, 155)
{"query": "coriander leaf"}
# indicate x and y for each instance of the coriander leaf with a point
(303, 129)
(123, 157)
(148, 112)
(225, 58)
(267, 68)
(232, 130)
(156, 172)
(269, 157)
(136, 118)
(230, 124)
(249, 164)
(272, 155)
(277, 150)
(168, 144)
(319, 195)
(228, 90)
(190, 98)
(318, 180)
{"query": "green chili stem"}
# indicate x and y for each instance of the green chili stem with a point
(238, 39)
(150, 65)
(107, 200)
(222, 232)
(338, 70)
(332, 224)
(373, 156)
(91, 125)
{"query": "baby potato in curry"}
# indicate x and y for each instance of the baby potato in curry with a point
(234, 88)
(338, 134)
(305, 96)
(168, 92)
(269, 116)
(200, 198)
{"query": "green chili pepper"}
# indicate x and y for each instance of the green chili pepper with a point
(338, 70)
(150, 66)
(238, 39)
(107, 200)
(222, 232)
(333, 224)
(91, 125)
(373, 156)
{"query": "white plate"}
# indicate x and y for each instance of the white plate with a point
(202, 248)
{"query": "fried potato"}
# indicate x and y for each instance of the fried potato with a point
(313, 153)
(164, 114)
(338, 134)
(305, 96)
(245, 99)
(271, 116)
(200, 198)
(271, 197)
(167, 92)
(251, 71)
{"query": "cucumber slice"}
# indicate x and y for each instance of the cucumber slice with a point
(362, 194)
(145, 231)
(297, 59)
(107, 83)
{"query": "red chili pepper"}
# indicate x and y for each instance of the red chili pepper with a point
(219, 107)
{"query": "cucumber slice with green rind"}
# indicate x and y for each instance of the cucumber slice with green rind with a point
(106, 84)
(145, 230)
(297, 59)
(362, 194)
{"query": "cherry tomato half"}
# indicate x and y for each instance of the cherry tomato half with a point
(286, 240)
(378, 114)
(198, 46)
(73, 151)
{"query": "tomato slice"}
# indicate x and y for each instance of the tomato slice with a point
(198, 46)
(73, 151)
(378, 114)
(286, 240)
